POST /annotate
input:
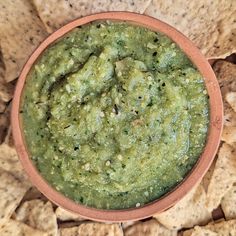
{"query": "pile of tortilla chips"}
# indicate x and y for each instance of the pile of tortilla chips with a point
(208, 209)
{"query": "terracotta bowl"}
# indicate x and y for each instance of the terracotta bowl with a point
(196, 174)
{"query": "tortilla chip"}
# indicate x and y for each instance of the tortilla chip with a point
(9, 162)
(55, 14)
(15, 228)
(6, 90)
(229, 116)
(229, 134)
(222, 228)
(20, 33)
(223, 177)
(65, 215)
(209, 24)
(91, 229)
(150, 228)
(225, 73)
(127, 224)
(38, 215)
(11, 193)
(199, 231)
(231, 98)
(189, 211)
(228, 204)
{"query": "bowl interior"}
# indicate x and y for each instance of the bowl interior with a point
(195, 175)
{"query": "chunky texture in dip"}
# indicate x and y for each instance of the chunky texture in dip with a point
(114, 115)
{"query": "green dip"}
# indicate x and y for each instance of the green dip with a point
(114, 115)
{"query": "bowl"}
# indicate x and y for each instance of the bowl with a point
(195, 175)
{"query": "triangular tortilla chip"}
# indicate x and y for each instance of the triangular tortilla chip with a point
(20, 33)
(209, 24)
(225, 72)
(228, 204)
(91, 229)
(231, 98)
(9, 161)
(55, 14)
(11, 193)
(222, 228)
(188, 212)
(127, 224)
(199, 231)
(15, 228)
(38, 215)
(6, 90)
(223, 177)
(65, 215)
(229, 134)
(150, 228)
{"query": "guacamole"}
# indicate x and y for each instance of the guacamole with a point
(114, 115)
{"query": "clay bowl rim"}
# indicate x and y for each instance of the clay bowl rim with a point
(195, 175)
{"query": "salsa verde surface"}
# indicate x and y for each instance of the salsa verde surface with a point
(114, 115)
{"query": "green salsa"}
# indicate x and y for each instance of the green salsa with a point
(114, 115)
